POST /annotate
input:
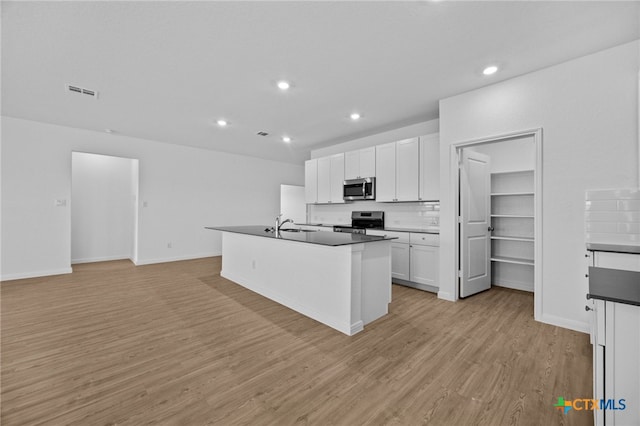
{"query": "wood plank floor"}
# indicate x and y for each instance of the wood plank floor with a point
(176, 344)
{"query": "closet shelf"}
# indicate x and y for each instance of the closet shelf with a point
(499, 237)
(514, 260)
(500, 194)
(513, 215)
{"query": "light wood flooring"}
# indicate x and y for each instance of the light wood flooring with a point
(176, 344)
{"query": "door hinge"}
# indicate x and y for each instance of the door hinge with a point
(459, 273)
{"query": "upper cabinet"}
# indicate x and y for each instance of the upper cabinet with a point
(407, 170)
(429, 168)
(311, 181)
(360, 163)
(329, 178)
(397, 171)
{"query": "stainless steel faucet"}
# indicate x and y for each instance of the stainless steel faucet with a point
(279, 224)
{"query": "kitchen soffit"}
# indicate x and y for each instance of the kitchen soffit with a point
(166, 70)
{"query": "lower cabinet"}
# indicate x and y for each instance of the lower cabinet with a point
(424, 264)
(615, 335)
(414, 259)
(400, 261)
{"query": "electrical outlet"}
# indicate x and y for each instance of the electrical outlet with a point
(169, 245)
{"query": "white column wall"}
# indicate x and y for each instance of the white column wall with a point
(588, 111)
(184, 190)
(102, 207)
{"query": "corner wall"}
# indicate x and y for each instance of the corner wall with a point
(588, 111)
(184, 189)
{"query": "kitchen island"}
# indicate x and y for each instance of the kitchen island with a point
(339, 279)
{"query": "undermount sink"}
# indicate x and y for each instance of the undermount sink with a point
(296, 230)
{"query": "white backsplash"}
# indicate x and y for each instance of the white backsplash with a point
(418, 215)
(612, 216)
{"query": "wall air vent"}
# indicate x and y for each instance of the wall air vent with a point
(81, 90)
(262, 134)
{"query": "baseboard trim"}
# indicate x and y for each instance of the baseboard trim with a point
(445, 295)
(176, 258)
(580, 326)
(35, 274)
(99, 259)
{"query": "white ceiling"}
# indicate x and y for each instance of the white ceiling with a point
(166, 70)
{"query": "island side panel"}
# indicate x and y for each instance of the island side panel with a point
(312, 279)
(376, 280)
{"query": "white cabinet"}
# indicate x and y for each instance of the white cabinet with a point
(414, 258)
(407, 163)
(360, 163)
(329, 173)
(615, 335)
(429, 185)
(397, 173)
(400, 261)
(424, 259)
(386, 172)
(311, 181)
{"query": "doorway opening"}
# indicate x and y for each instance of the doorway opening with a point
(104, 213)
(499, 208)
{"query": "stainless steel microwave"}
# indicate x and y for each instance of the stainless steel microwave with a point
(360, 189)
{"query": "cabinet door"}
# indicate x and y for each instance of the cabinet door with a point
(386, 172)
(337, 178)
(324, 180)
(400, 261)
(407, 161)
(311, 181)
(368, 162)
(424, 264)
(352, 165)
(429, 167)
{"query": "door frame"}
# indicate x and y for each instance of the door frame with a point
(136, 196)
(454, 152)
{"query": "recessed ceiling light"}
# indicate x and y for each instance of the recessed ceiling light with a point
(355, 116)
(283, 85)
(286, 139)
(490, 70)
(221, 123)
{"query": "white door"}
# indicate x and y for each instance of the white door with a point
(475, 223)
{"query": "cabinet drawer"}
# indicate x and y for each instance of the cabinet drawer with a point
(424, 239)
(402, 237)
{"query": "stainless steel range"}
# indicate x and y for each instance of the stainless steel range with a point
(361, 221)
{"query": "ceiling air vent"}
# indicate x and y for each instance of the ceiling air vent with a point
(81, 90)
(262, 134)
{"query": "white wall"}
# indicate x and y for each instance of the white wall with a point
(184, 189)
(419, 129)
(103, 203)
(588, 111)
(292, 203)
(510, 155)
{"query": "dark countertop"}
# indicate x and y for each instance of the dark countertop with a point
(614, 248)
(318, 237)
(421, 231)
(614, 285)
